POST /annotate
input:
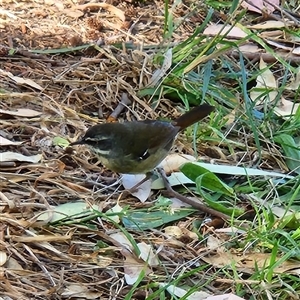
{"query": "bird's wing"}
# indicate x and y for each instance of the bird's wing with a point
(162, 136)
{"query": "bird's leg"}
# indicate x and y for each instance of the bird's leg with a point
(194, 203)
(165, 180)
(133, 189)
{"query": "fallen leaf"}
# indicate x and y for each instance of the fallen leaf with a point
(177, 232)
(230, 117)
(174, 161)
(296, 51)
(143, 191)
(144, 220)
(73, 13)
(260, 6)
(133, 268)
(179, 292)
(229, 31)
(27, 81)
(268, 25)
(276, 44)
(92, 6)
(13, 264)
(122, 239)
(147, 254)
(21, 81)
(249, 262)
(282, 212)
(7, 201)
(250, 47)
(3, 258)
(176, 203)
(286, 108)
(273, 34)
(58, 4)
(13, 156)
(115, 209)
(61, 142)
(266, 86)
(21, 112)
(69, 209)
(79, 291)
(8, 14)
(213, 243)
(173, 231)
(176, 178)
(6, 142)
(295, 83)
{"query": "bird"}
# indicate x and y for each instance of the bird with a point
(138, 147)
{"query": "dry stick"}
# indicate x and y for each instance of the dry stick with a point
(190, 201)
(7, 164)
(40, 264)
(285, 12)
(124, 103)
(273, 16)
(267, 57)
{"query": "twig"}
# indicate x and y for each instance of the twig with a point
(284, 12)
(124, 103)
(267, 57)
(190, 201)
(38, 262)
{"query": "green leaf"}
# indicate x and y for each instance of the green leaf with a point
(59, 141)
(11, 52)
(75, 211)
(207, 179)
(240, 171)
(142, 220)
(291, 151)
(296, 234)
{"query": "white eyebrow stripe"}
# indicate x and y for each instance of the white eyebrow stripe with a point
(96, 139)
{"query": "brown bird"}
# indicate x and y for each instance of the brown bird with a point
(138, 147)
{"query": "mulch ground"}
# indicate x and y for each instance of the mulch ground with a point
(71, 91)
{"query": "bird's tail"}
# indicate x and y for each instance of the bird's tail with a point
(193, 116)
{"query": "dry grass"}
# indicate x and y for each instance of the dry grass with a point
(113, 56)
(57, 262)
